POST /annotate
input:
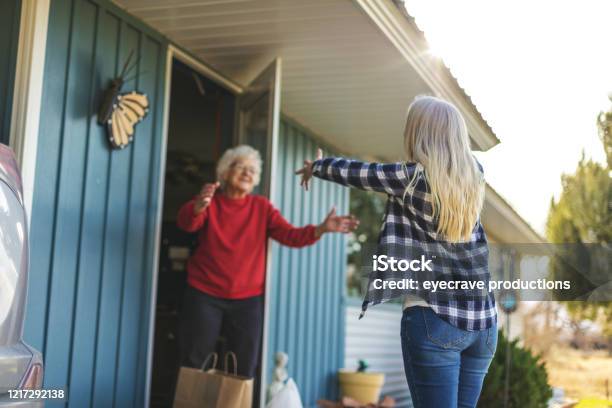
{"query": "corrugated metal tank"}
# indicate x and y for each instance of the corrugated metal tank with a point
(376, 339)
(92, 225)
(308, 285)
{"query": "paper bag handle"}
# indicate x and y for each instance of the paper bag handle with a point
(233, 355)
(215, 358)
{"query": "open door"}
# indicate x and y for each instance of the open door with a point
(258, 121)
(258, 126)
(201, 120)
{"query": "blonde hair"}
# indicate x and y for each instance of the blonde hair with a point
(436, 137)
(233, 155)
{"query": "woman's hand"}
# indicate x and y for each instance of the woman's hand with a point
(337, 223)
(306, 171)
(203, 199)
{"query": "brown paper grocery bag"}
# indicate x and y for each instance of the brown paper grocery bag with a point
(212, 388)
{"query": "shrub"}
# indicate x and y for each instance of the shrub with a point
(528, 379)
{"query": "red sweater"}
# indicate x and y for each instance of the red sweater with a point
(230, 260)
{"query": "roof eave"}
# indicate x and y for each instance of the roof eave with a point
(515, 229)
(399, 27)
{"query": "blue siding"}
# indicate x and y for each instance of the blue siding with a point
(92, 224)
(308, 285)
(10, 11)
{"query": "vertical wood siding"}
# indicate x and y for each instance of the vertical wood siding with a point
(308, 284)
(92, 227)
(10, 11)
(92, 224)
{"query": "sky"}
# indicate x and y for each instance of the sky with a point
(539, 72)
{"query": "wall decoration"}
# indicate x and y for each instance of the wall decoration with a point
(120, 112)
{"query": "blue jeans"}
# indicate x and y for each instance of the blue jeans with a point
(445, 366)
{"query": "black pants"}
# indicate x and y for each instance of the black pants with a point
(205, 317)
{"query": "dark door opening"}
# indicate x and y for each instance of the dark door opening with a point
(200, 128)
(205, 119)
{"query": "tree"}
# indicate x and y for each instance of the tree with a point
(369, 208)
(528, 382)
(604, 125)
(581, 220)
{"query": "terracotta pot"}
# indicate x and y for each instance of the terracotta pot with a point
(363, 387)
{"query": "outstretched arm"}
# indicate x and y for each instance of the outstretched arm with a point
(390, 178)
(337, 223)
(282, 231)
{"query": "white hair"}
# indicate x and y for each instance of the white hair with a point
(235, 154)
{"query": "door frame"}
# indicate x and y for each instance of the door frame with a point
(273, 151)
(173, 52)
(27, 92)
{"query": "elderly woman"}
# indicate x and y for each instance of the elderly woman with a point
(226, 273)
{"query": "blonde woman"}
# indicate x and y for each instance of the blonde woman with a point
(434, 201)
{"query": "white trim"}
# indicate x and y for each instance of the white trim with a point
(158, 224)
(275, 119)
(27, 94)
(173, 53)
(393, 24)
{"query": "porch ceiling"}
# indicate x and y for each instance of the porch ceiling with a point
(341, 76)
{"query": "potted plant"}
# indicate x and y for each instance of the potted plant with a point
(360, 385)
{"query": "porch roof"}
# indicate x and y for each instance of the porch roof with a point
(349, 68)
(504, 225)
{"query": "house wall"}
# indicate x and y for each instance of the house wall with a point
(10, 11)
(382, 352)
(308, 286)
(92, 224)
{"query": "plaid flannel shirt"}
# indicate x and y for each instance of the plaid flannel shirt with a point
(408, 223)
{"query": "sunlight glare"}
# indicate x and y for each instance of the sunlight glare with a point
(539, 84)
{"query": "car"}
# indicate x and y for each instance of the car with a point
(21, 366)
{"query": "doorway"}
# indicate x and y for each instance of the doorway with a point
(200, 128)
(207, 114)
